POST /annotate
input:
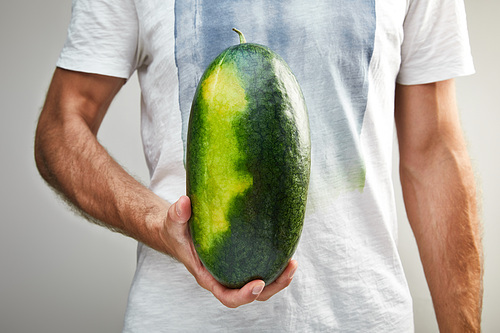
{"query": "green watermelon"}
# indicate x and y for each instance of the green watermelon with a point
(247, 163)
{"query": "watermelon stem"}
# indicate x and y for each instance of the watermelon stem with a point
(242, 38)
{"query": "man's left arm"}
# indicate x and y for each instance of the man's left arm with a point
(440, 198)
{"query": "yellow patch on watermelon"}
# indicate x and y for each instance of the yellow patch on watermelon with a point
(225, 101)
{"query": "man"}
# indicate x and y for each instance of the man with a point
(361, 64)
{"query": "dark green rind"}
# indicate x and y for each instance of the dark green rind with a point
(266, 220)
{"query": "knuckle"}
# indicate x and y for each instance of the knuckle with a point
(286, 282)
(229, 303)
(263, 298)
(172, 215)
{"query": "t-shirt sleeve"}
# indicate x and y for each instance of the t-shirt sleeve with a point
(102, 38)
(436, 42)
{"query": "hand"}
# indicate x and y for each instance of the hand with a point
(177, 239)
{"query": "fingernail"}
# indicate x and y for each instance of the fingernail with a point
(177, 209)
(257, 289)
(292, 273)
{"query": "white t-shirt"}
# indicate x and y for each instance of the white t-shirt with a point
(347, 57)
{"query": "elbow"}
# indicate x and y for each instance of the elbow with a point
(443, 154)
(40, 153)
(43, 149)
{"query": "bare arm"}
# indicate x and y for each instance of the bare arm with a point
(440, 198)
(70, 158)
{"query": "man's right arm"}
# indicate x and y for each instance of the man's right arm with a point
(72, 161)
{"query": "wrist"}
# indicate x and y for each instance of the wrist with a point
(146, 219)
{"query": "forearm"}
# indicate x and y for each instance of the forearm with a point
(441, 207)
(440, 198)
(72, 161)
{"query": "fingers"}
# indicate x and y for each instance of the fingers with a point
(179, 240)
(254, 290)
(233, 298)
(280, 283)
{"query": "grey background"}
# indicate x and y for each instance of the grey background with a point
(59, 273)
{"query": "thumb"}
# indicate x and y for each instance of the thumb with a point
(180, 212)
(176, 232)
